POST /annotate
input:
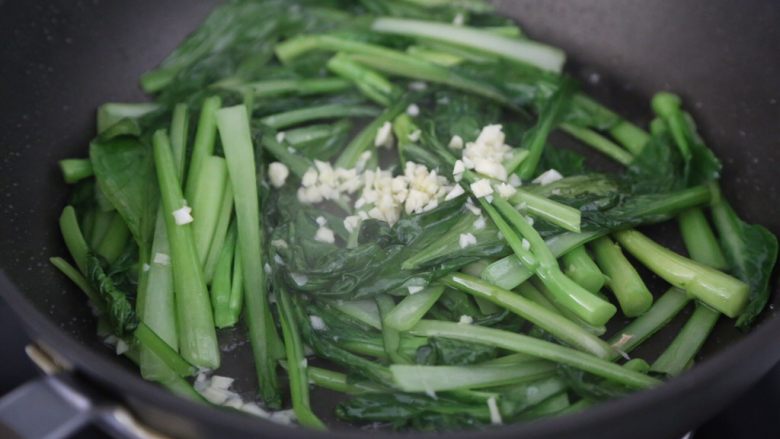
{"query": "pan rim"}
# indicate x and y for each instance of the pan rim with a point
(133, 387)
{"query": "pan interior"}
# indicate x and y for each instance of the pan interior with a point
(65, 58)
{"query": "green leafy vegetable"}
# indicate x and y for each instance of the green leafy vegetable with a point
(197, 337)
(379, 181)
(751, 252)
(234, 131)
(124, 171)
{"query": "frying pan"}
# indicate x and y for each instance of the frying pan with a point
(62, 58)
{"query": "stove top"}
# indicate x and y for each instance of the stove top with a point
(754, 415)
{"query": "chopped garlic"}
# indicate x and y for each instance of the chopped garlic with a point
(495, 414)
(280, 136)
(458, 168)
(384, 136)
(182, 216)
(466, 320)
(456, 142)
(317, 323)
(299, 279)
(526, 245)
(382, 195)
(162, 259)
(309, 178)
(325, 235)
(321, 221)
(479, 224)
(413, 110)
(515, 180)
(217, 391)
(418, 86)
(279, 243)
(283, 417)
(414, 136)
(455, 193)
(414, 289)
(146, 267)
(481, 188)
(234, 403)
(362, 160)
(466, 239)
(215, 396)
(278, 173)
(487, 154)
(624, 338)
(549, 176)
(505, 190)
(459, 19)
(254, 409)
(351, 223)
(121, 347)
(309, 195)
(474, 209)
(222, 382)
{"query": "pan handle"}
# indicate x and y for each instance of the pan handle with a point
(58, 405)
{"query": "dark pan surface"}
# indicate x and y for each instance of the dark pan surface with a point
(62, 58)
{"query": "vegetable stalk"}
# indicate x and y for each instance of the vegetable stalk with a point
(536, 138)
(700, 240)
(233, 125)
(390, 336)
(535, 347)
(221, 287)
(417, 378)
(557, 325)
(373, 85)
(197, 337)
(205, 140)
(579, 266)
(679, 355)
(327, 111)
(565, 292)
(556, 213)
(509, 272)
(206, 203)
(623, 280)
(297, 367)
(519, 50)
(412, 308)
(717, 289)
(365, 139)
(599, 143)
(74, 240)
(389, 61)
(659, 315)
(75, 170)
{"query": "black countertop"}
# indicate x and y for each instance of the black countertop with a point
(754, 415)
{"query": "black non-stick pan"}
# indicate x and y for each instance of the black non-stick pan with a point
(60, 59)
